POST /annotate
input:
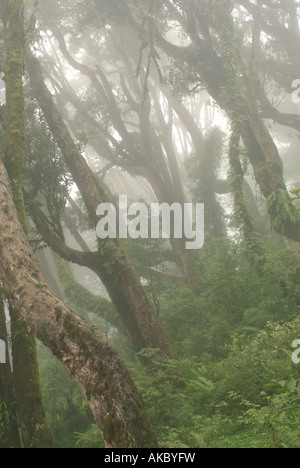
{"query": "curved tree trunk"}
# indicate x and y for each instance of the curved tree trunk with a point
(87, 355)
(31, 415)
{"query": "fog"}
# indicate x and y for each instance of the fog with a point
(149, 338)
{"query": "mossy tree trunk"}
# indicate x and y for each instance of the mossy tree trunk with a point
(113, 398)
(32, 420)
(9, 433)
(15, 108)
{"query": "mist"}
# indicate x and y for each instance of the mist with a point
(150, 226)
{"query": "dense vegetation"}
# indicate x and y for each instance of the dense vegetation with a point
(162, 100)
(232, 382)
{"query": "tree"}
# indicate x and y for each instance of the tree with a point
(233, 79)
(35, 311)
(110, 262)
(88, 356)
(8, 417)
(31, 416)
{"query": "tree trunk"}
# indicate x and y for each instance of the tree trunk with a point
(9, 435)
(84, 352)
(15, 108)
(31, 416)
(112, 263)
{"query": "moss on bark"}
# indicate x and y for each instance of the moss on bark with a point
(84, 352)
(32, 421)
(15, 108)
(9, 433)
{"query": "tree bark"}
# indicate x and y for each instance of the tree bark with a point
(15, 108)
(9, 435)
(31, 416)
(84, 352)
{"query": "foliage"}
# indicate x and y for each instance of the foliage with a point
(236, 403)
(7, 419)
(204, 170)
(89, 439)
(46, 179)
(296, 195)
(282, 210)
(233, 298)
(278, 421)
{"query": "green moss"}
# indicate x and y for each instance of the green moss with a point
(15, 105)
(74, 332)
(35, 433)
(70, 327)
(58, 313)
(93, 389)
(31, 416)
(114, 431)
